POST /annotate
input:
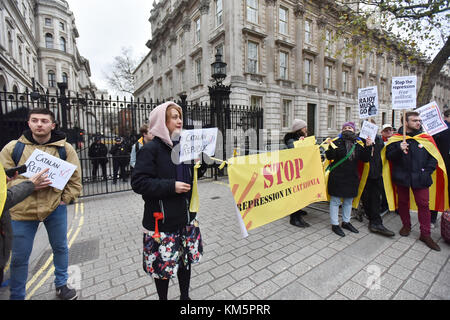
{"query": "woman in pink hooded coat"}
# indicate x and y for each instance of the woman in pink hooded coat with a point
(165, 185)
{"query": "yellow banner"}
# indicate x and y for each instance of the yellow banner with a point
(3, 191)
(267, 187)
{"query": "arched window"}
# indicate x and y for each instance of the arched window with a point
(15, 89)
(65, 79)
(62, 44)
(51, 79)
(49, 40)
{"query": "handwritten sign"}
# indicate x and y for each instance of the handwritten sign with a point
(404, 92)
(368, 129)
(368, 102)
(194, 142)
(59, 172)
(432, 121)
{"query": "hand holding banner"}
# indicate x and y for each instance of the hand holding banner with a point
(368, 130)
(431, 118)
(368, 102)
(194, 142)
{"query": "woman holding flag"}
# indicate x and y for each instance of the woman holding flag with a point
(343, 181)
(172, 239)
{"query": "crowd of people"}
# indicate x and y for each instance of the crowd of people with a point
(172, 240)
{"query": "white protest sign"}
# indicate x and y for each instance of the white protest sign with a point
(432, 121)
(368, 102)
(59, 172)
(194, 142)
(368, 129)
(404, 92)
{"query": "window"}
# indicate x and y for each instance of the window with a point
(252, 57)
(182, 79)
(256, 101)
(10, 43)
(307, 66)
(328, 41)
(48, 22)
(283, 20)
(49, 41)
(219, 11)
(219, 49)
(20, 51)
(359, 81)
(286, 114)
(65, 79)
(197, 30)
(348, 114)
(330, 120)
(61, 26)
(308, 25)
(252, 11)
(328, 71)
(284, 62)
(383, 117)
(198, 70)
(51, 79)
(62, 44)
(345, 81)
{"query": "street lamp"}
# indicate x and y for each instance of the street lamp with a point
(219, 69)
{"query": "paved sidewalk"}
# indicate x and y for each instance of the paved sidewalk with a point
(276, 261)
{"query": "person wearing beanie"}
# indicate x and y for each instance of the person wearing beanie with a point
(298, 132)
(343, 181)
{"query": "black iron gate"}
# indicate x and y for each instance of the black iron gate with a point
(83, 118)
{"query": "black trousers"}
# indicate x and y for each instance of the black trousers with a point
(371, 200)
(117, 164)
(95, 164)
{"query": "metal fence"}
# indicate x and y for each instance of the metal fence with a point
(83, 118)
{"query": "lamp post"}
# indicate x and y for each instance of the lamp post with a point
(220, 98)
(62, 86)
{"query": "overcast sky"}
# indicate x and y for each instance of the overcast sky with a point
(105, 26)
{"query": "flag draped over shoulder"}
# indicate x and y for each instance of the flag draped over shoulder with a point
(3, 191)
(438, 198)
(363, 173)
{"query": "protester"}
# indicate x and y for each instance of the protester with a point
(386, 132)
(15, 195)
(121, 158)
(48, 205)
(412, 166)
(374, 189)
(298, 132)
(343, 181)
(146, 137)
(166, 188)
(98, 153)
(442, 140)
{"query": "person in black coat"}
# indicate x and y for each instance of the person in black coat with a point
(121, 158)
(372, 195)
(412, 167)
(165, 186)
(343, 181)
(98, 153)
(299, 131)
(442, 140)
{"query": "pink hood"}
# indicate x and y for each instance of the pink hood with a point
(157, 122)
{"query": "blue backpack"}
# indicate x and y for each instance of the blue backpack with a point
(18, 150)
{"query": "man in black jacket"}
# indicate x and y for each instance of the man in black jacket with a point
(121, 157)
(373, 191)
(98, 155)
(412, 169)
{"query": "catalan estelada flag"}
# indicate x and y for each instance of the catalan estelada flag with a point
(438, 198)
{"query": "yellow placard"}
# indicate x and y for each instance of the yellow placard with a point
(267, 187)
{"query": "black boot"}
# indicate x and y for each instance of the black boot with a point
(348, 226)
(336, 229)
(379, 228)
(297, 220)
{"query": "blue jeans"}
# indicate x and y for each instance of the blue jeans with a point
(334, 209)
(23, 238)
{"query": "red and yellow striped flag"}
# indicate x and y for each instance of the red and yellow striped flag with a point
(438, 198)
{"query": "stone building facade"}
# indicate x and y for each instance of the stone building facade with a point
(280, 56)
(38, 41)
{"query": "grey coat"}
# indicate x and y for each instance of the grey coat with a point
(14, 195)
